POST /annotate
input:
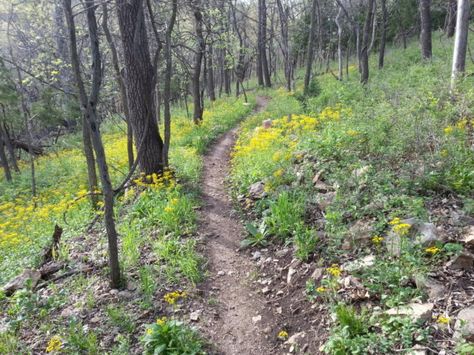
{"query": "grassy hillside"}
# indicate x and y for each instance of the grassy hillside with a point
(351, 174)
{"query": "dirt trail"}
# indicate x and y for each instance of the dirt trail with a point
(231, 317)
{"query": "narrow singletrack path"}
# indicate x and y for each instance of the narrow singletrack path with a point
(236, 320)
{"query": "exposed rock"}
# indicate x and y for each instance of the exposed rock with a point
(361, 231)
(317, 274)
(266, 290)
(463, 261)
(267, 124)
(464, 326)
(282, 252)
(393, 243)
(358, 173)
(415, 311)
(194, 316)
(433, 288)
(359, 264)
(257, 190)
(322, 187)
(468, 238)
(326, 199)
(256, 255)
(291, 272)
(426, 233)
(256, 319)
(418, 350)
(29, 277)
(296, 340)
(125, 294)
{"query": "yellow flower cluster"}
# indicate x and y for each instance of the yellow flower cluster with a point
(400, 228)
(172, 297)
(377, 240)
(460, 126)
(157, 181)
(161, 321)
(334, 270)
(441, 319)
(283, 335)
(432, 250)
(54, 344)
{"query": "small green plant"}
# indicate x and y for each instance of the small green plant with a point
(305, 240)
(119, 317)
(147, 285)
(257, 237)
(285, 215)
(81, 340)
(172, 337)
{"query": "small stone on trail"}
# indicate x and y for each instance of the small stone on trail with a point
(256, 319)
(194, 316)
(221, 273)
(465, 324)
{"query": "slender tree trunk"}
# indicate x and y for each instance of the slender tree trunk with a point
(364, 54)
(210, 74)
(140, 85)
(310, 47)
(451, 18)
(8, 143)
(4, 161)
(285, 48)
(425, 34)
(383, 35)
(262, 43)
(89, 106)
(460, 40)
(339, 44)
(200, 48)
(167, 86)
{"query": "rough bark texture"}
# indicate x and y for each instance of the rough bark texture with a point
(140, 83)
(121, 84)
(4, 161)
(200, 48)
(262, 42)
(339, 43)
(285, 46)
(311, 43)
(383, 34)
(451, 19)
(460, 41)
(210, 75)
(425, 34)
(364, 53)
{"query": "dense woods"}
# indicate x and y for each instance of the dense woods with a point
(352, 171)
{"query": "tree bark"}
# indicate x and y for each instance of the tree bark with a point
(4, 161)
(200, 48)
(310, 49)
(425, 34)
(121, 83)
(451, 18)
(364, 54)
(460, 40)
(210, 74)
(262, 42)
(383, 35)
(89, 107)
(140, 85)
(339, 44)
(285, 47)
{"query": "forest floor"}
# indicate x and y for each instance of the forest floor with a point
(234, 320)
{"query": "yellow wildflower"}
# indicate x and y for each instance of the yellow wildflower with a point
(321, 289)
(278, 173)
(54, 344)
(402, 229)
(283, 334)
(432, 250)
(334, 270)
(443, 319)
(395, 221)
(161, 321)
(172, 297)
(149, 331)
(448, 130)
(377, 240)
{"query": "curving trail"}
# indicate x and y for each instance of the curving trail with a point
(235, 317)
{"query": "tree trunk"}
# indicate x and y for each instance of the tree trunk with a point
(262, 42)
(460, 40)
(167, 86)
(451, 18)
(310, 48)
(339, 44)
(364, 54)
(200, 48)
(425, 34)
(8, 143)
(140, 85)
(89, 107)
(383, 35)
(4, 161)
(120, 81)
(285, 48)
(210, 75)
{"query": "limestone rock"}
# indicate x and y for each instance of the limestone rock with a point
(267, 124)
(433, 288)
(359, 264)
(361, 231)
(468, 238)
(415, 311)
(464, 326)
(463, 261)
(28, 277)
(257, 190)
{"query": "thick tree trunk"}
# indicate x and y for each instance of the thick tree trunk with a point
(383, 35)
(8, 143)
(120, 81)
(285, 48)
(364, 54)
(140, 85)
(460, 40)
(311, 43)
(425, 34)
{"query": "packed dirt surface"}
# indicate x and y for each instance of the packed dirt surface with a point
(235, 317)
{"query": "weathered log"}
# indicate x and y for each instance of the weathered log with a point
(37, 150)
(53, 247)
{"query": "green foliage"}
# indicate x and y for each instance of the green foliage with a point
(119, 317)
(81, 340)
(285, 215)
(257, 237)
(305, 240)
(172, 337)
